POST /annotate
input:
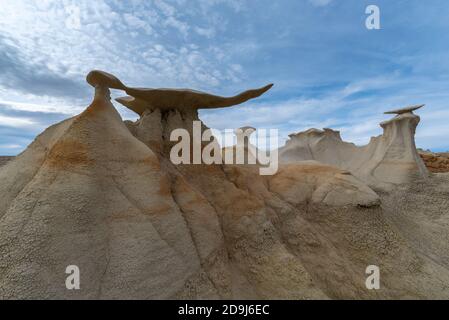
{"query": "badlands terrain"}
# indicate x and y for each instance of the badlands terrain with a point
(102, 194)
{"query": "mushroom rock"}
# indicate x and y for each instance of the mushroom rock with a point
(400, 161)
(409, 109)
(176, 108)
(183, 99)
(387, 160)
(97, 78)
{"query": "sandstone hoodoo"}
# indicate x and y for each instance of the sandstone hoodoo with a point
(387, 160)
(163, 110)
(101, 194)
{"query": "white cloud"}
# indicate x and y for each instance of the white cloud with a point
(100, 42)
(182, 27)
(206, 32)
(236, 5)
(15, 122)
(10, 146)
(48, 106)
(138, 42)
(320, 3)
(137, 23)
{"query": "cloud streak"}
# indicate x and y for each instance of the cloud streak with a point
(320, 3)
(18, 74)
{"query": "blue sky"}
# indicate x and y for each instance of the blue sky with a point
(328, 69)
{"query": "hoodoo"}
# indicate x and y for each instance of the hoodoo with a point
(387, 160)
(183, 99)
(162, 110)
(400, 160)
(405, 110)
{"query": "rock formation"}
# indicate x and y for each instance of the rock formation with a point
(387, 160)
(101, 194)
(162, 110)
(243, 152)
(405, 110)
(435, 162)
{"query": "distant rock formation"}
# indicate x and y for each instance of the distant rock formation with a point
(387, 160)
(408, 109)
(436, 162)
(91, 192)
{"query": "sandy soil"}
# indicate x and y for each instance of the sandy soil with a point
(421, 212)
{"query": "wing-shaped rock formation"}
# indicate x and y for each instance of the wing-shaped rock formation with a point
(405, 110)
(167, 99)
(163, 110)
(141, 99)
